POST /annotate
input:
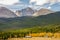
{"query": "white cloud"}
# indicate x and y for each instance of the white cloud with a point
(32, 0)
(8, 2)
(41, 2)
(49, 7)
(53, 1)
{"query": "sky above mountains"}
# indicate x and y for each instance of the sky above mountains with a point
(8, 2)
(19, 4)
(36, 2)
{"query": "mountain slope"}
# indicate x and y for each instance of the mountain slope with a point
(42, 12)
(18, 13)
(26, 22)
(6, 13)
(27, 11)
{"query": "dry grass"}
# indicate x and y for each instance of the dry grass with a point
(34, 38)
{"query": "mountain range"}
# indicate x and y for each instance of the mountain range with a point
(30, 12)
(27, 11)
(6, 13)
(42, 11)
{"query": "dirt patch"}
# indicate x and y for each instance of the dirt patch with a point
(34, 38)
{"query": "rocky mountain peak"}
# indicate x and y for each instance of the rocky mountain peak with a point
(42, 11)
(6, 13)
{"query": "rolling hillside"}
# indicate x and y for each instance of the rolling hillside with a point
(26, 22)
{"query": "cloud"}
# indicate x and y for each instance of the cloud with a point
(35, 2)
(8, 2)
(41, 2)
(49, 7)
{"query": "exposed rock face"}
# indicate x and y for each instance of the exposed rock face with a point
(27, 12)
(18, 13)
(6, 13)
(42, 12)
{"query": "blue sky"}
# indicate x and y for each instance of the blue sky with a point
(25, 1)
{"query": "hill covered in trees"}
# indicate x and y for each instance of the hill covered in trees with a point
(26, 22)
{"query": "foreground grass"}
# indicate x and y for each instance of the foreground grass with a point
(34, 38)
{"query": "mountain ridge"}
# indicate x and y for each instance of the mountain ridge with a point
(30, 12)
(42, 11)
(6, 13)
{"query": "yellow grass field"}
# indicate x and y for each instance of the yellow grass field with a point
(34, 38)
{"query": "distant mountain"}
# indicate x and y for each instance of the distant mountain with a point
(30, 12)
(42, 11)
(27, 11)
(6, 13)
